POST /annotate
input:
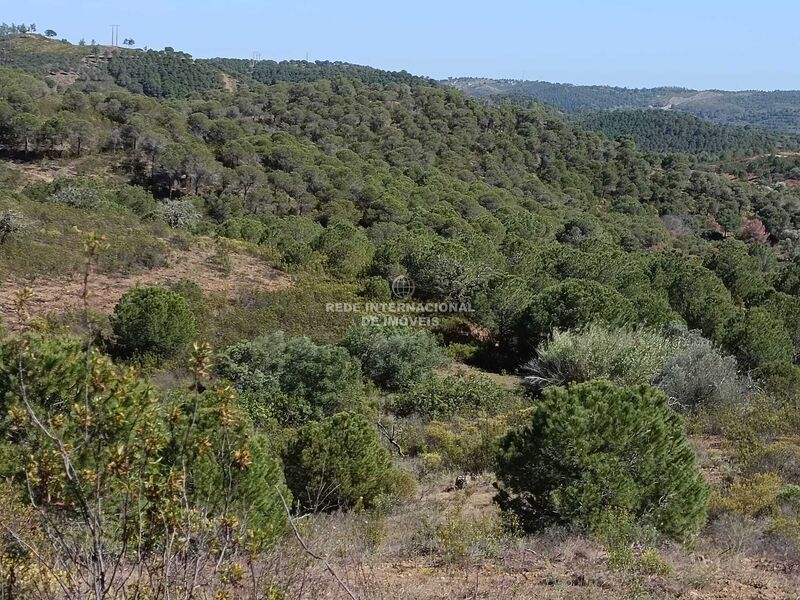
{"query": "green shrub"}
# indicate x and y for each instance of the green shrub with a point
(179, 214)
(597, 447)
(338, 462)
(624, 356)
(395, 358)
(757, 337)
(292, 380)
(466, 446)
(462, 394)
(571, 304)
(152, 321)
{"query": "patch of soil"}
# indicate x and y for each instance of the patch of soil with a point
(199, 264)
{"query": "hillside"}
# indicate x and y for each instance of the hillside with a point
(779, 110)
(665, 131)
(168, 73)
(315, 330)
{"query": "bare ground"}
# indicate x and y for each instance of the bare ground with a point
(553, 565)
(52, 296)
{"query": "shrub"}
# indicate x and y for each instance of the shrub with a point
(178, 213)
(338, 463)
(461, 394)
(466, 446)
(571, 304)
(624, 356)
(780, 458)
(699, 375)
(757, 337)
(11, 222)
(395, 358)
(346, 248)
(292, 379)
(78, 196)
(152, 321)
(596, 447)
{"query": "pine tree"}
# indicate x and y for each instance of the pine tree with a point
(596, 449)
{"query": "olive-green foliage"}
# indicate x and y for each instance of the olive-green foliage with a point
(781, 458)
(738, 270)
(465, 445)
(338, 462)
(292, 380)
(460, 394)
(56, 394)
(786, 307)
(393, 357)
(624, 356)
(233, 470)
(346, 248)
(757, 337)
(573, 463)
(298, 310)
(570, 304)
(152, 321)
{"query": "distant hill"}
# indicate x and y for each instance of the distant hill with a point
(779, 110)
(168, 73)
(668, 131)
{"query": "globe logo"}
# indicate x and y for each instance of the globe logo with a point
(402, 287)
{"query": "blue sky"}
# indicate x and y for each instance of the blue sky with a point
(702, 44)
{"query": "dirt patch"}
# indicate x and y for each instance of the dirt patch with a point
(231, 85)
(44, 170)
(201, 265)
(64, 79)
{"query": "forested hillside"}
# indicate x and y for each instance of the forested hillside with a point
(211, 381)
(779, 110)
(667, 131)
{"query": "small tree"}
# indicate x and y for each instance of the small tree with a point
(595, 449)
(394, 357)
(50, 33)
(337, 463)
(153, 321)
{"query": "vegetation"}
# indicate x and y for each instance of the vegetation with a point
(667, 131)
(376, 260)
(573, 464)
(770, 110)
(154, 321)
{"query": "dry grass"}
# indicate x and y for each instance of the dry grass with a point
(199, 264)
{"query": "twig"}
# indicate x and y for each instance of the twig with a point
(391, 438)
(310, 552)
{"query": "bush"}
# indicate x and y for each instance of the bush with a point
(595, 448)
(624, 356)
(757, 337)
(571, 304)
(152, 321)
(11, 222)
(780, 458)
(699, 375)
(338, 463)
(466, 446)
(292, 379)
(178, 213)
(461, 394)
(78, 197)
(395, 358)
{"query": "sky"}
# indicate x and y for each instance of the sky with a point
(705, 44)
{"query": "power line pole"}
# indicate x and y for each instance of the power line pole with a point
(114, 35)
